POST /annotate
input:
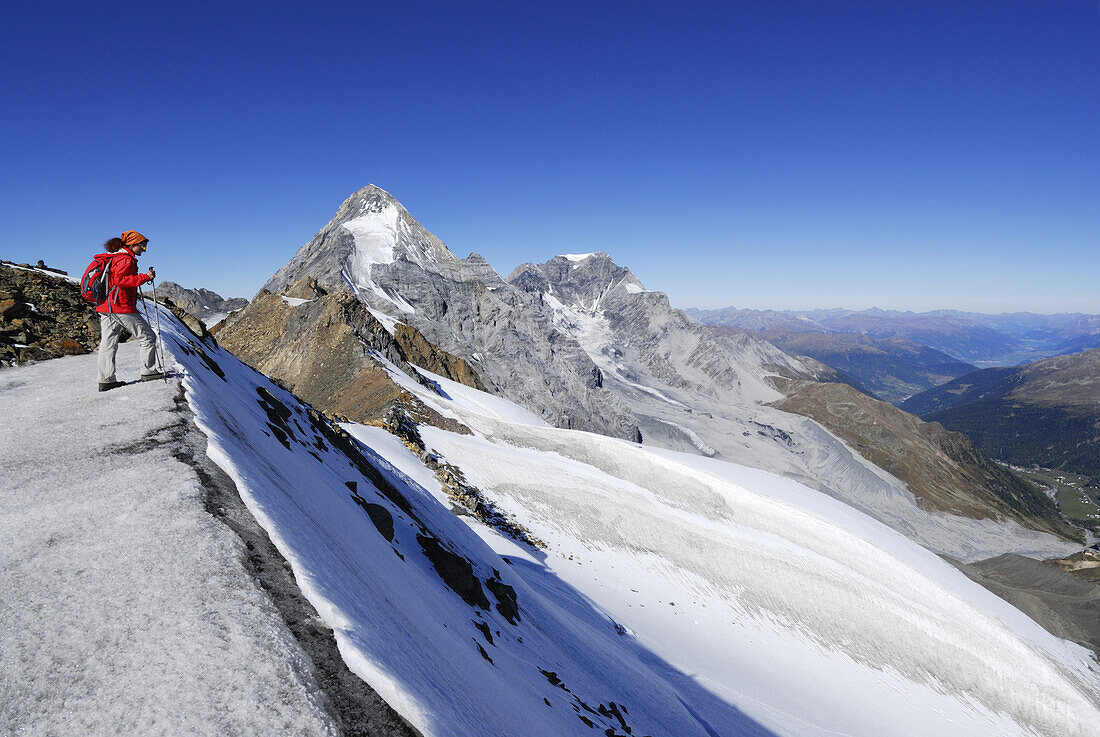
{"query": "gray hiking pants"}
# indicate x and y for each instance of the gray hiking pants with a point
(111, 326)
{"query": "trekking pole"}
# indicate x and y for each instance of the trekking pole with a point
(160, 352)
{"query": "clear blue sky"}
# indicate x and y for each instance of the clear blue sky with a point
(765, 154)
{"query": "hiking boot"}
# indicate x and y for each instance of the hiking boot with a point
(155, 376)
(106, 386)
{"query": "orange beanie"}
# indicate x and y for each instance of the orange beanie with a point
(132, 238)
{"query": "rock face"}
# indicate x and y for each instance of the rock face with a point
(321, 346)
(208, 306)
(42, 315)
(374, 248)
(627, 329)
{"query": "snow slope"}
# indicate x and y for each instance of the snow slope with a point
(809, 615)
(679, 595)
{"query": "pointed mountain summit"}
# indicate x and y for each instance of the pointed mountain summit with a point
(369, 228)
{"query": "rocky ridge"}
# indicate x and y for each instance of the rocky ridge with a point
(42, 315)
(325, 346)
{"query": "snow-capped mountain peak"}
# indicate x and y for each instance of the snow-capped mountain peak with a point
(370, 228)
(384, 231)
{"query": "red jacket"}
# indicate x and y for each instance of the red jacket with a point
(122, 282)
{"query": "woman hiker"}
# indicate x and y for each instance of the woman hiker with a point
(119, 311)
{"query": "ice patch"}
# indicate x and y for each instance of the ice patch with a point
(294, 301)
(375, 234)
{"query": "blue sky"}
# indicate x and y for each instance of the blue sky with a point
(768, 155)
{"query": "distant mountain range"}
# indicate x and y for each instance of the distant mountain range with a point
(895, 355)
(208, 306)
(968, 337)
(891, 369)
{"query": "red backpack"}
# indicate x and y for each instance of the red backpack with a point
(93, 285)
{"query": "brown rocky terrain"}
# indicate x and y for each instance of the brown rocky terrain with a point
(1085, 563)
(417, 350)
(321, 346)
(42, 315)
(944, 469)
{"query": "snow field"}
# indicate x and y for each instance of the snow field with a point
(793, 576)
(126, 609)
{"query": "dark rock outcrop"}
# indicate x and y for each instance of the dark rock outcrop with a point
(42, 315)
